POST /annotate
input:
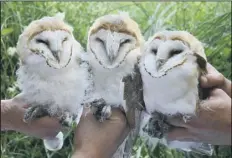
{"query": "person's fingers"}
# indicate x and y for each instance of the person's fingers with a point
(118, 115)
(206, 110)
(212, 80)
(227, 87)
(210, 105)
(216, 93)
(91, 132)
(180, 134)
(215, 108)
(13, 114)
(87, 113)
(215, 79)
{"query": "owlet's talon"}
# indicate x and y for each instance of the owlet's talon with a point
(105, 113)
(156, 126)
(35, 112)
(67, 119)
(98, 103)
(187, 118)
(102, 111)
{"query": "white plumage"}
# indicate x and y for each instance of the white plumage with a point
(51, 75)
(170, 66)
(113, 50)
(177, 92)
(170, 74)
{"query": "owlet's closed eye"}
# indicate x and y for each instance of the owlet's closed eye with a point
(100, 40)
(175, 52)
(124, 42)
(42, 41)
(65, 39)
(154, 51)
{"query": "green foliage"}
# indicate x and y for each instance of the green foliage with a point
(208, 21)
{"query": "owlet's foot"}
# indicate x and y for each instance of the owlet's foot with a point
(157, 127)
(67, 119)
(102, 111)
(186, 118)
(35, 112)
(105, 113)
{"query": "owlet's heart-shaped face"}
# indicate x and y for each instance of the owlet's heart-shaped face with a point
(112, 38)
(54, 46)
(168, 50)
(47, 40)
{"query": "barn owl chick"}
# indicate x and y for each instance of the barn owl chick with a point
(113, 50)
(171, 66)
(50, 77)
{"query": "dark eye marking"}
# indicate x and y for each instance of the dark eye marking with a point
(42, 41)
(124, 42)
(99, 40)
(65, 39)
(154, 51)
(175, 52)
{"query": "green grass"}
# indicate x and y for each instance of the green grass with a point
(208, 21)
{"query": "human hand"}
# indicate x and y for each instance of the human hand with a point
(94, 139)
(215, 79)
(212, 123)
(12, 119)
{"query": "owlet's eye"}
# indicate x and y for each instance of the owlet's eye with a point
(42, 41)
(154, 51)
(175, 52)
(65, 39)
(99, 40)
(125, 41)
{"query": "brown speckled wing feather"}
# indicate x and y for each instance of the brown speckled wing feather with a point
(202, 92)
(133, 96)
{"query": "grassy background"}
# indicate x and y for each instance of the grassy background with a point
(209, 21)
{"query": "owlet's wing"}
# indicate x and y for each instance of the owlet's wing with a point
(133, 97)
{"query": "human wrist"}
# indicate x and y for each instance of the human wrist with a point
(10, 115)
(6, 124)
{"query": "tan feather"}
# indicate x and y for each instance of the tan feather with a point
(36, 27)
(194, 44)
(44, 24)
(123, 24)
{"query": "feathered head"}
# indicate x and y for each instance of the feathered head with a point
(48, 39)
(112, 37)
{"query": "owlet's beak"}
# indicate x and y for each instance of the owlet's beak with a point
(111, 55)
(160, 63)
(112, 51)
(112, 47)
(56, 55)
